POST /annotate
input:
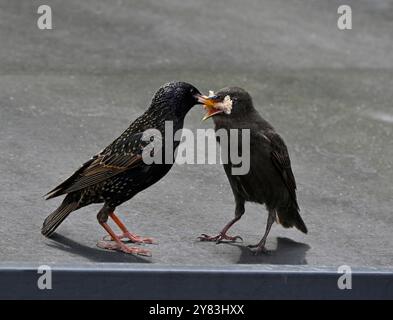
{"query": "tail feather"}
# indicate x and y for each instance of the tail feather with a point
(299, 224)
(57, 217)
(290, 217)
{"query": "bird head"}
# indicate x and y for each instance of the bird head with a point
(178, 97)
(227, 102)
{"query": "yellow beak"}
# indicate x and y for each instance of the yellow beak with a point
(208, 104)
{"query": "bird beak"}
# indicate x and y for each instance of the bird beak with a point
(208, 104)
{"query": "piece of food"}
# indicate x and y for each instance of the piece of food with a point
(215, 106)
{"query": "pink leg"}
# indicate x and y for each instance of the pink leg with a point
(126, 234)
(118, 245)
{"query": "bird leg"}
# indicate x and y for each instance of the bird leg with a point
(239, 211)
(223, 234)
(118, 244)
(126, 234)
(260, 247)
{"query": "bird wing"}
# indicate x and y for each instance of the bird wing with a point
(282, 162)
(103, 168)
(123, 154)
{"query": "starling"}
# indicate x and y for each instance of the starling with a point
(118, 172)
(270, 180)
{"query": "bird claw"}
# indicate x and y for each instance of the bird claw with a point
(259, 250)
(219, 238)
(132, 237)
(123, 248)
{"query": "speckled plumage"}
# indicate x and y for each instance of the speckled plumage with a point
(117, 173)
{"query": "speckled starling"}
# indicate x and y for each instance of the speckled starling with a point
(270, 180)
(118, 173)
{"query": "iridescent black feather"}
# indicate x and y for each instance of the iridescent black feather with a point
(117, 173)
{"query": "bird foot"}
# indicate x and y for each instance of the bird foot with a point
(218, 238)
(259, 249)
(122, 247)
(132, 237)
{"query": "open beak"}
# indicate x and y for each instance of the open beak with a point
(208, 104)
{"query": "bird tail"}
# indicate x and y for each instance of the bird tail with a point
(289, 217)
(57, 217)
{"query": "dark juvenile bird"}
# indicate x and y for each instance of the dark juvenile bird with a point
(118, 172)
(270, 180)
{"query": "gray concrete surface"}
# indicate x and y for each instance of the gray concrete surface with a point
(67, 92)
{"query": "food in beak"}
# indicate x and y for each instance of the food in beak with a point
(214, 106)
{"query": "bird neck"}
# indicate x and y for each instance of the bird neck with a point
(157, 118)
(240, 120)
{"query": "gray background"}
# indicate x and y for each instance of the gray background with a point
(68, 92)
